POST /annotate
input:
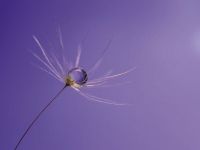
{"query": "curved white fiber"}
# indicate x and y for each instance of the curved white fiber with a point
(61, 68)
(45, 54)
(52, 70)
(64, 61)
(97, 99)
(98, 62)
(60, 38)
(111, 76)
(47, 71)
(104, 85)
(78, 56)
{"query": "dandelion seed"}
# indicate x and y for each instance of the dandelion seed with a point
(73, 76)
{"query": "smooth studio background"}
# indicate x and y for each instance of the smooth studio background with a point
(160, 38)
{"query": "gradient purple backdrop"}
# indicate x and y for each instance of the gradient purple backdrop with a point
(160, 38)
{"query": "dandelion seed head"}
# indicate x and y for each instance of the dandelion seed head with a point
(76, 77)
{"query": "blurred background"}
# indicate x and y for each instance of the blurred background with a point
(160, 38)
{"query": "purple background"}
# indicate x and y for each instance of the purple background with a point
(160, 38)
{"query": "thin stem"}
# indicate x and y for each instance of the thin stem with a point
(38, 116)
